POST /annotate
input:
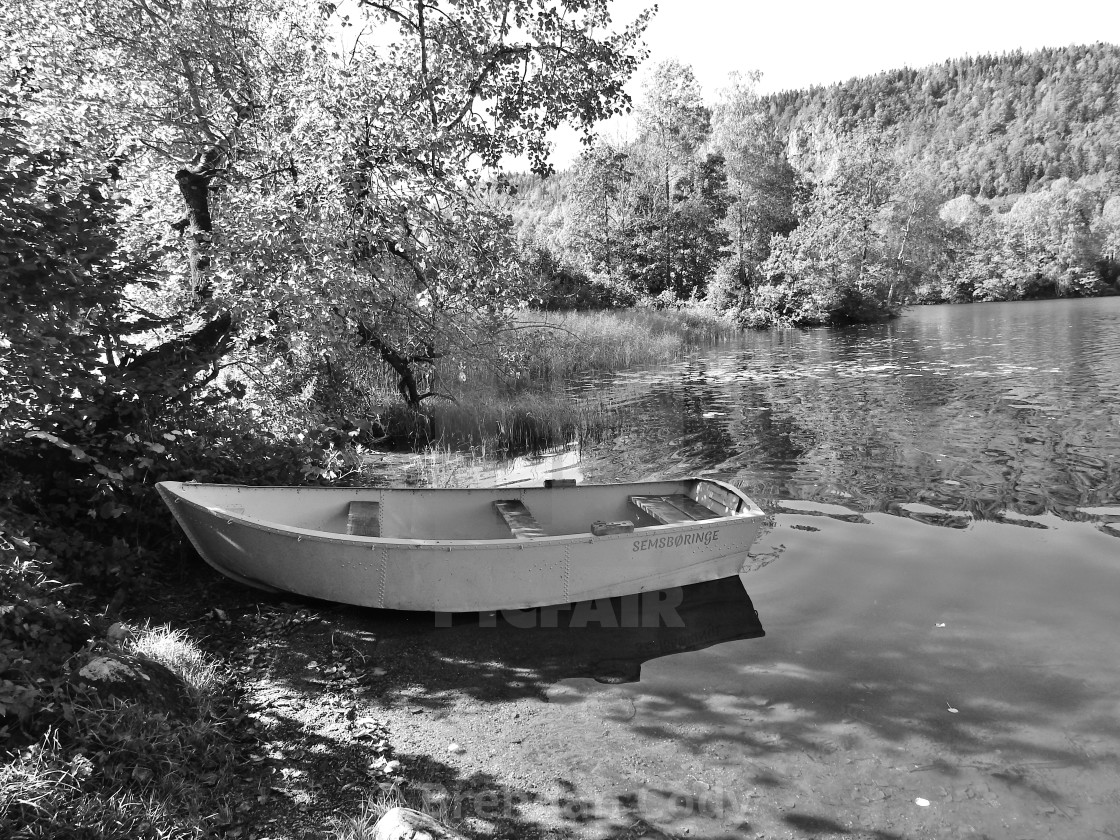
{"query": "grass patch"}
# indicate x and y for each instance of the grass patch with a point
(360, 826)
(173, 648)
(76, 765)
(121, 771)
(49, 792)
(501, 422)
(124, 771)
(548, 347)
(571, 343)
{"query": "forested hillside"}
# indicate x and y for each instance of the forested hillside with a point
(988, 178)
(988, 125)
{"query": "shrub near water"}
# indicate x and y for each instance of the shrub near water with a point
(85, 511)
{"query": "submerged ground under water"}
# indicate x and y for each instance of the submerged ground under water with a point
(939, 585)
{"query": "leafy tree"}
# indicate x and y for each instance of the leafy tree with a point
(674, 123)
(835, 266)
(325, 188)
(65, 326)
(762, 186)
(597, 217)
(69, 333)
(1045, 245)
(1060, 247)
(701, 202)
(1107, 229)
(919, 244)
(865, 168)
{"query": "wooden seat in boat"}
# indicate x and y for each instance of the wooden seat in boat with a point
(673, 509)
(520, 520)
(363, 519)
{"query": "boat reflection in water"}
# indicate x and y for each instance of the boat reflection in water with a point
(607, 639)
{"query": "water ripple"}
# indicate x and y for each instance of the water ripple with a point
(1011, 414)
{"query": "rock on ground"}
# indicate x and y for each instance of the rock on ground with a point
(407, 824)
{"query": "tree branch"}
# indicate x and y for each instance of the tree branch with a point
(391, 12)
(196, 99)
(475, 88)
(424, 64)
(368, 337)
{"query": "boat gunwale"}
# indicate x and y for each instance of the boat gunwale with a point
(749, 512)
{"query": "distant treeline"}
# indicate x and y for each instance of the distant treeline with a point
(989, 178)
(987, 126)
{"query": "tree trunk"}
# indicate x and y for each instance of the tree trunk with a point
(607, 231)
(669, 284)
(194, 185)
(905, 238)
(179, 360)
(168, 372)
(403, 367)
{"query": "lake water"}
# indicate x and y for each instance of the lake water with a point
(939, 584)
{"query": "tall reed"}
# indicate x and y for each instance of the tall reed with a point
(580, 342)
(513, 398)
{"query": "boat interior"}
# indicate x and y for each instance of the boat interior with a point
(523, 513)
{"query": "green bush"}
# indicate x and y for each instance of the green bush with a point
(39, 635)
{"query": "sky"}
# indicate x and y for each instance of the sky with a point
(798, 43)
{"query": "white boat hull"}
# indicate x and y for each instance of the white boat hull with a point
(459, 556)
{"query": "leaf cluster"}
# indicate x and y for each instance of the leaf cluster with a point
(61, 280)
(39, 634)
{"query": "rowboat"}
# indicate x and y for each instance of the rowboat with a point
(466, 550)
